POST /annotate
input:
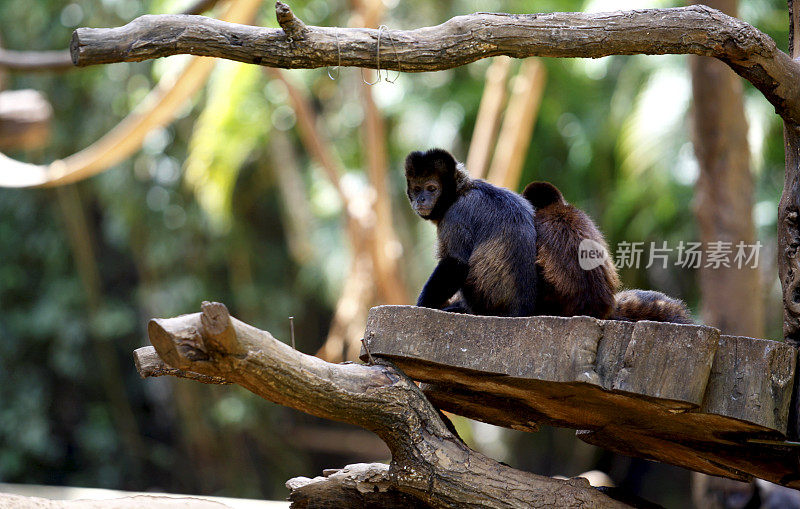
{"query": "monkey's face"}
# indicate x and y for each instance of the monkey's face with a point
(424, 193)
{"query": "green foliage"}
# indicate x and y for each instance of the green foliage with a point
(232, 124)
(612, 133)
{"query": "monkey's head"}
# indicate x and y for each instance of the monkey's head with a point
(542, 194)
(432, 180)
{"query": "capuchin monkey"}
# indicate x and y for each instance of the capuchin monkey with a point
(486, 237)
(565, 288)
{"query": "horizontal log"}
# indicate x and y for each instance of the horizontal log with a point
(681, 394)
(695, 30)
(625, 357)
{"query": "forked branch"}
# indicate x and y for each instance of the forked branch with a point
(429, 462)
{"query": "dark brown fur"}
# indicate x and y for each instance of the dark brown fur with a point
(487, 239)
(566, 289)
(635, 305)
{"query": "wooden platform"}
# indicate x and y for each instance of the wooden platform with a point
(681, 394)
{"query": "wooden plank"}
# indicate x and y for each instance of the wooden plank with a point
(553, 349)
(751, 380)
(667, 360)
(681, 394)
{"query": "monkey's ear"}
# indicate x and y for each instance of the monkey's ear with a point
(542, 194)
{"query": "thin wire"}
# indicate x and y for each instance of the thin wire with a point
(378, 79)
(339, 51)
(397, 59)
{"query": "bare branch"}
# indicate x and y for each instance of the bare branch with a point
(684, 30)
(429, 462)
(359, 485)
(293, 26)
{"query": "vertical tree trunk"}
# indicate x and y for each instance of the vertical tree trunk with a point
(723, 210)
(789, 230)
(724, 192)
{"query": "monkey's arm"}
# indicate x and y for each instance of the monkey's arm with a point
(447, 278)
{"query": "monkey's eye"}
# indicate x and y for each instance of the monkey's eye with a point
(417, 189)
(431, 189)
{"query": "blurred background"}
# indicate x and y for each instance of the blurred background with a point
(281, 194)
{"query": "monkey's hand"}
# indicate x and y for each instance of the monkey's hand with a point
(447, 278)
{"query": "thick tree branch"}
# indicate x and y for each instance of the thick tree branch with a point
(428, 461)
(685, 30)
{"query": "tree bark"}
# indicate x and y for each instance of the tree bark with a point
(684, 30)
(429, 462)
(364, 485)
(789, 228)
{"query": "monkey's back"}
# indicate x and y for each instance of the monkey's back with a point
(492, 231)
(565, 287)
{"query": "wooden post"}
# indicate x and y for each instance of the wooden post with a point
(789, 228)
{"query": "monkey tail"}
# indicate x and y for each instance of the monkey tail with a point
(635, 305)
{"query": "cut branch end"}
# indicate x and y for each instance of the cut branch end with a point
(149, 365)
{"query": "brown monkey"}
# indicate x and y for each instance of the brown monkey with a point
(576, 273)
(565, 288)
